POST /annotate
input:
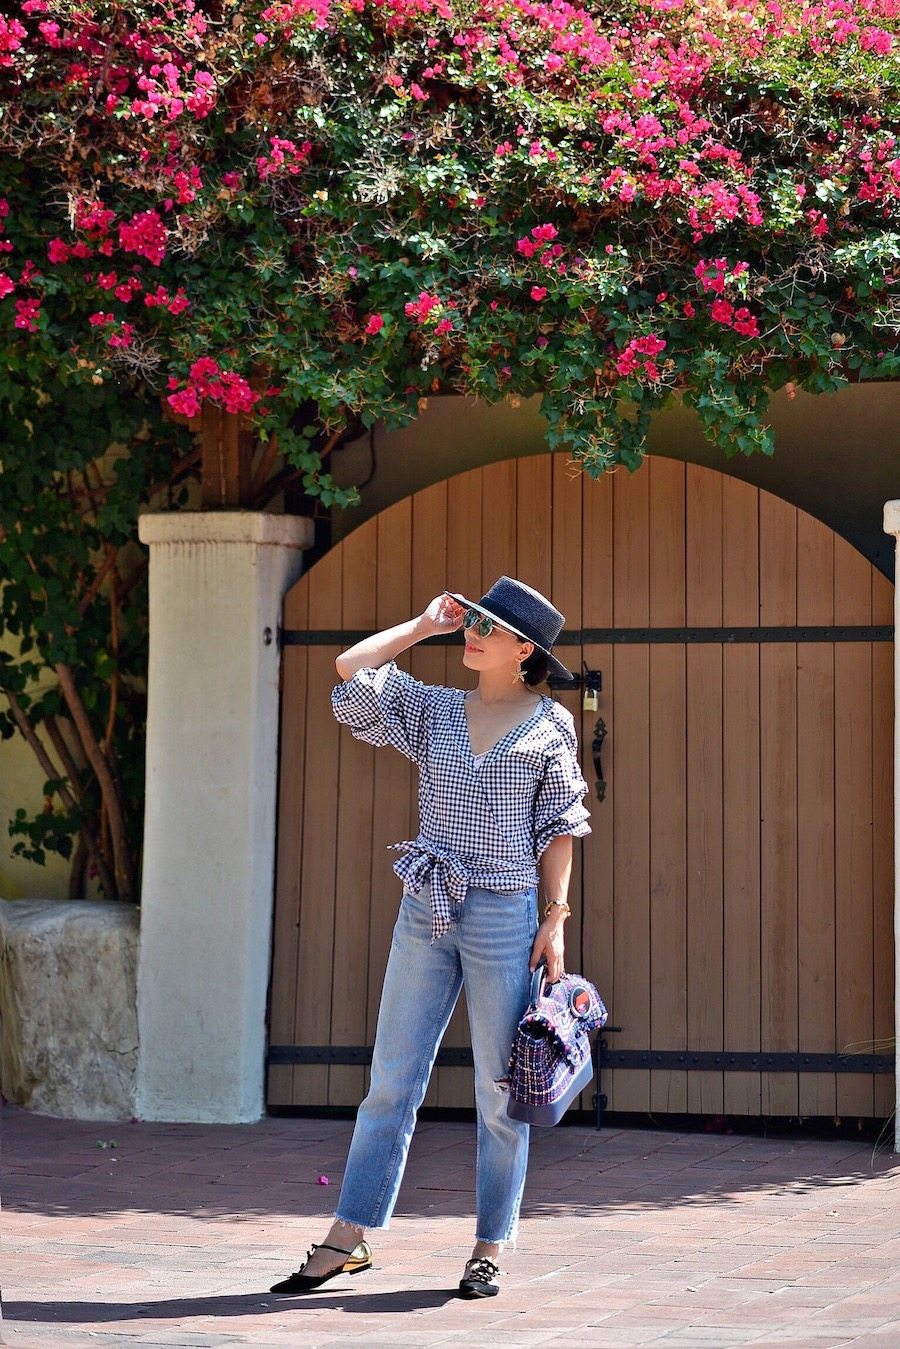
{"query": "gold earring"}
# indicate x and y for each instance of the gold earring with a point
(519, 675)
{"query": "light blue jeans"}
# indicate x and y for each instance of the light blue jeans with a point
(486, 950)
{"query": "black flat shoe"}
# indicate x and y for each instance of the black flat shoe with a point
(359, 1259)
(479, 1279)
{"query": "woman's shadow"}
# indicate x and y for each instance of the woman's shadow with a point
(238, 1304)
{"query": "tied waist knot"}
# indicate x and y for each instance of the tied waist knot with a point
(451, 873)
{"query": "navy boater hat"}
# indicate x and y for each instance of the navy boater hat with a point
(525, 612)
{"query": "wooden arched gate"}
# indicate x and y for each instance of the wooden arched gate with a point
(735, 897)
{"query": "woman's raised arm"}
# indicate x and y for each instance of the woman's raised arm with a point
(442, 615)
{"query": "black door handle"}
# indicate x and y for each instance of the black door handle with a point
(596, 747)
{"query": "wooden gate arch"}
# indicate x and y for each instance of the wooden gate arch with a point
(734, 901)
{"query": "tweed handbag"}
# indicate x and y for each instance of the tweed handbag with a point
(551, 1054)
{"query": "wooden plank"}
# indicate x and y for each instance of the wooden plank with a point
(346, 1085)
(286, 923)
(740, 792)
(705, 916)
(667, 837)
(667, 542)
(741, 868)
(778, 794)
(883, 837)
(597, 897)
(704, 563)
(498, 514)
(853, 832)
(597, 869)
(320, 816)
(630, 1090)
(668, 927)
(630, 793)
(631, 549)
(464, 570)
(597, 565)
(534, 497)
(882, 599)
(883, 856)
(815, 813)
(568, 558)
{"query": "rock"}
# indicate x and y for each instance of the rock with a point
(68, 1018)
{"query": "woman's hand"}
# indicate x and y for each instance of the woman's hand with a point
(444, 614)
(549, 942)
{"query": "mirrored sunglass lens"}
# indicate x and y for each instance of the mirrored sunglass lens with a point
(483, 625)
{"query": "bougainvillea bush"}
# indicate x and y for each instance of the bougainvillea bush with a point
(344, 205)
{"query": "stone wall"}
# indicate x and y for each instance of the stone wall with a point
(68, 1020)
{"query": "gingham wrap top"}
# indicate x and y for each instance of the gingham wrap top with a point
(484, 824)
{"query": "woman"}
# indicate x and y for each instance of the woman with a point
(500, 798)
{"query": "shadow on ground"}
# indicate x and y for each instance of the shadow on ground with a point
(180, 1309)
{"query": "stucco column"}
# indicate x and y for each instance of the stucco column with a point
(216, 585)
(892, 526)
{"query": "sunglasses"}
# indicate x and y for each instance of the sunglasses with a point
(482, 624)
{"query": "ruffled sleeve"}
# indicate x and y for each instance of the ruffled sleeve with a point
(559, 806)
(384, 707)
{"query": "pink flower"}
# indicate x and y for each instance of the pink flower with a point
(445, 326)
(285, 157)
(422, 308)
(374, 324)
(58, 251)
(185, 402)
(323, 1180)
(721, 312)
(27, 314)
(122, 338)
(144, 234)
(160, 296)
(745, 323)
(538, 292)
(7, 285)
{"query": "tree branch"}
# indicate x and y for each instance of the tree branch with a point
(111, 799)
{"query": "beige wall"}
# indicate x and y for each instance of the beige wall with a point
(21, 780)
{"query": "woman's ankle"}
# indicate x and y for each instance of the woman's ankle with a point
(345, 1236)
(487, 1250)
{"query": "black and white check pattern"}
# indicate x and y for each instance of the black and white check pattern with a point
(483, 824)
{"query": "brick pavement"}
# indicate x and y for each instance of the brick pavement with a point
(630, 1237)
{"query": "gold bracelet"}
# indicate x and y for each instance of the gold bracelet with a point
(557, 904)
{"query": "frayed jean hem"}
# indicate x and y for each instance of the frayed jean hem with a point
(366, 1227)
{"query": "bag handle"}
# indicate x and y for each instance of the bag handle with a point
(537, 981)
